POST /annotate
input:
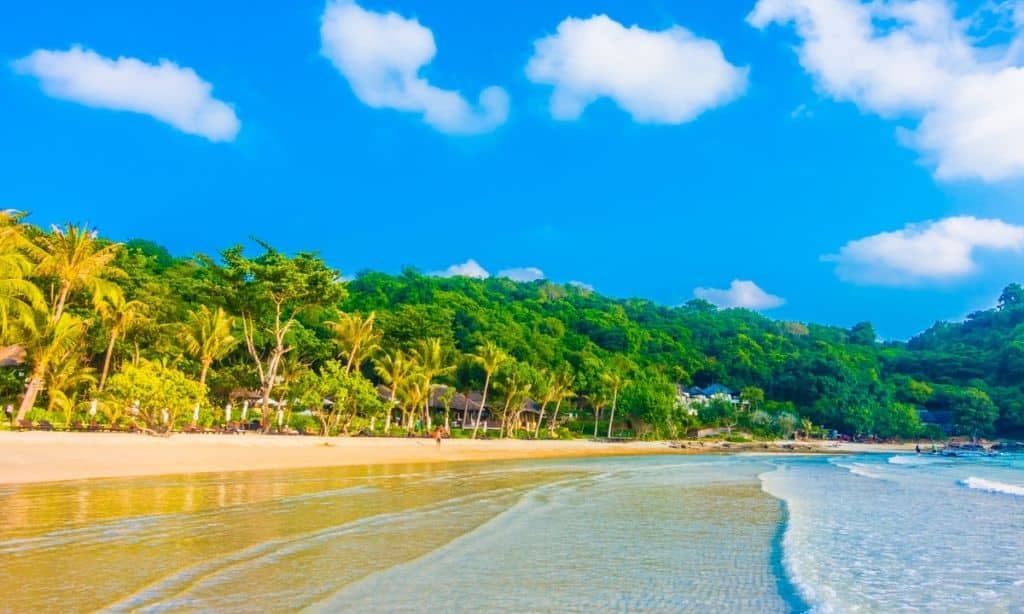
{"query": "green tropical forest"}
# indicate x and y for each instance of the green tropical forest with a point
(127, 335)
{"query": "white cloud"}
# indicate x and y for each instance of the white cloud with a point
(165, 91)
(522, 274)
(581, 285)
(381, 55)
(740, 293)
(470, 268)
(668, 77)
(914, 59)
(932, 251)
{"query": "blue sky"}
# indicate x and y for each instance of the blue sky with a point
(758, 164)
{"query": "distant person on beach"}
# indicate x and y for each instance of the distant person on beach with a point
(438, 433)
(917, 448)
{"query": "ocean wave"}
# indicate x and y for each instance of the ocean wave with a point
(1017, 490)
(907, 459)
(861, 470)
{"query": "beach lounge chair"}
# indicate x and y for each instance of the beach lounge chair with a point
(44, 425)
(24, 425)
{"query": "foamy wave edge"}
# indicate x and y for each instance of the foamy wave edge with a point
(993, 486)
(807, 599)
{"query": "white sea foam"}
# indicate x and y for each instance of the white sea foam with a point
(861, 470)
(906, 459)
(993, 486)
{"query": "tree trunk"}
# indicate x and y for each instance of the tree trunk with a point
(58, 310)
(553, 422)
(351, 358)
(203, 370)
(35, 384)
(540, 418)
(611, 420)
(597, 419)
(106, 359)
(391, 408)
(483, 401)
(506, 423)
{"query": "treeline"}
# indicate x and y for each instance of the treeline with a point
(96, 330)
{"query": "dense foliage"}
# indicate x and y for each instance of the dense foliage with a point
(105, 321)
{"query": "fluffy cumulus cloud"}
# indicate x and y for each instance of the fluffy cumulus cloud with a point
(470, 268)
(170, 93)
(913, 59)
(932, 251)
(522, 274)
(667, 77)
(740, 293)
(381, 55)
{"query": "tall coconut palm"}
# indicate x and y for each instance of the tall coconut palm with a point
(393, 369)
(548, 389)
(19, 297)
(491, 359)
(516, 391)
(207, 336)
(433, 363)
(120, 316)
(414, 394)
(356, 337)
(76, 260)
(54, 341)
(614, 381)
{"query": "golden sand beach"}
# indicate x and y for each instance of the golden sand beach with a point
(54, 456)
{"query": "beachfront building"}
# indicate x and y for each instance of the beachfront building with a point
(692, 397)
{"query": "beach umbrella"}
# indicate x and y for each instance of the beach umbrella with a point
(245, 410)
(227, 413)
(92, 408)
(195, 414)
(280, 418)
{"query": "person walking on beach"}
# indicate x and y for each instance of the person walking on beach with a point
(438, 433)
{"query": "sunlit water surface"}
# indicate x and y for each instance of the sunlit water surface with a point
(749, 534)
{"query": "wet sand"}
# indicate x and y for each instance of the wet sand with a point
(47, 457)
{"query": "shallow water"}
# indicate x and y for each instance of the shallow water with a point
(749, 534)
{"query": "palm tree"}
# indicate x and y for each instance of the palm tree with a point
(120, 316)
(65, 379)
(432, 362)
(19, 297)
(548, 388)
(563, 385)
(599, 400)
(516, 392)
(806, 426)
(206, 336)
(76, 260)
(491, 358)
(393, 369)
(415, 393)
(356, 338)
(53, 342)
(614, 381)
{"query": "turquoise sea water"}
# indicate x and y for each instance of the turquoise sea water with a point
(872, 533)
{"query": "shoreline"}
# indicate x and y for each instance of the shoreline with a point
(36, 457)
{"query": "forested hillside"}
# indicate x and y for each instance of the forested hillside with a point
(119, 323)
